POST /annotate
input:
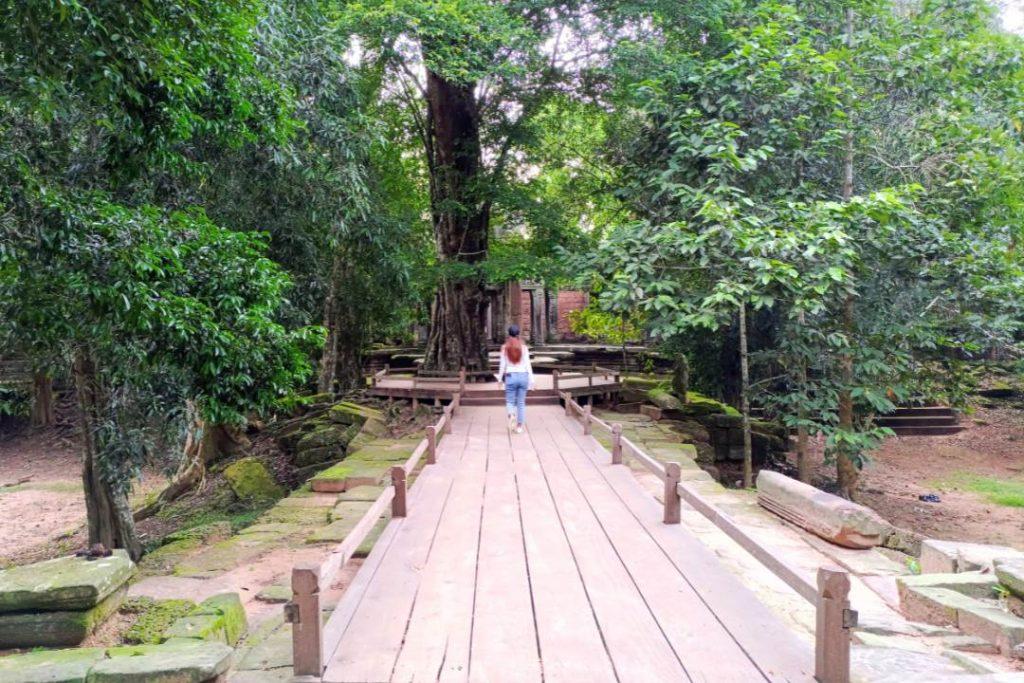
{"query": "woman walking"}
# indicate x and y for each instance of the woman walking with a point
(516, 373)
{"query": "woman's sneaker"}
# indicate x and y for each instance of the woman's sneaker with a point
(511, 422)
(519, 429)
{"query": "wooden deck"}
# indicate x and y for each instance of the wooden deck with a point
(530, 558)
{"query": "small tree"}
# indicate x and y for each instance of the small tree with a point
(150, 307)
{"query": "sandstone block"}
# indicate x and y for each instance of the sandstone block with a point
(833, 518)
(65, 583)
(56, 629)
(947, 557)
(1010, 572)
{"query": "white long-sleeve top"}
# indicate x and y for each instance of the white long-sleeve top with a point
(506, 366)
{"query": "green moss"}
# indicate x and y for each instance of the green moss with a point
(250, 481)
(154, 618)
(227, 608)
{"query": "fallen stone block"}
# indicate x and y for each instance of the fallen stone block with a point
(1010, 572)
(250, 480)
(346, 475)
(367, 493)
(56, 629)
(653, 412)
(991, 623)
(937, 606)
(50, 666)
(65, 584)
(950, 557)
(973, 584)
(350, 509)
(833, 518)
(186, 661)
(228, 613)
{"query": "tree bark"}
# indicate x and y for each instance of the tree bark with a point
(42, 400)
(109, 517)
(204, 445)
(329, 357)
(803, 461)
(748, 456)
(460, 208)
(847, 471)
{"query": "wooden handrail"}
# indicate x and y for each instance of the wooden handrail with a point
(304, 609)
(830, 594)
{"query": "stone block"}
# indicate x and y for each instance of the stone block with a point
(367, 493)
(250, 480)
(947, 557)
(350, 509)
(973, 584)
(346, 475)
(653, 412)
(50, 666)
(64, 584)
(994, 625)
(937, 606)
(56, 629)
(219, 617)
(1010, 572)
(833, 518)
(187, 661)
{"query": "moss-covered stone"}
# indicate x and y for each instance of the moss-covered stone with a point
(368, 492)
(204, 533)
(251, 481)
(154, 618)
(50, 666)
(349, 413)
(64, 584)
(350, 509)
(186, 661)
(275, 594)
(328, 434)
(663, 399)
(227, 608)
(349, 474)
(56, 629)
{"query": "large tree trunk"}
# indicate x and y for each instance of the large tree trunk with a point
(42, 400)
(329, 357)
(341, 364)
(109, 516)
(461, 213)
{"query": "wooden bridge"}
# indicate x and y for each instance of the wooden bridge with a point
(539, 557)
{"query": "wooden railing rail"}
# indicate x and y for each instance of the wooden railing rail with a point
(379, 375)
(304, 609)
(829, 595)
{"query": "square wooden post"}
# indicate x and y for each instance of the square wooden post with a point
(566, 397)
(554, 378)
(431, 444)
(303, 612)
(398, 503)
(448, 421)
(462, 380)
(672, 503)
(834, 621)
(616, 444)
(586, 419)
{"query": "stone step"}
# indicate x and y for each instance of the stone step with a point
(934, 430)
(949, 557)
(895, 421)
(975, 617)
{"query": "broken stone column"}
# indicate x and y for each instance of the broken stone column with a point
(835, 519)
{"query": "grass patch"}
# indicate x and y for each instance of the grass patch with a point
(1006, 492)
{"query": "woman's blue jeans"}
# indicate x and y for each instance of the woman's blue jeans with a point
(516, 384)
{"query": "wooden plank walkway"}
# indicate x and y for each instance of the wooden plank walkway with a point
(530, 558)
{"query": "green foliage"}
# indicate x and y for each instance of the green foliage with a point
(1009, 493)
(605, 328)
(152, 618)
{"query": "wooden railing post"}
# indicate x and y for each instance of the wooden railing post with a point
(398, 503)
(672, 503)
(304, 614)
(567, 397)
(448, 422)
(554, 378)
(832, 633)
(616, 444)
(586, 419)
(462, 380)
(431, 444)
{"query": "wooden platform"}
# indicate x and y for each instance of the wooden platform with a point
(530, 558)
(476, 393)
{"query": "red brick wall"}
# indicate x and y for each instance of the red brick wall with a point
(526, 317)
(569, 301)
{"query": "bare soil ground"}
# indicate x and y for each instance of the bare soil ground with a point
(42, 507)
(905, 468)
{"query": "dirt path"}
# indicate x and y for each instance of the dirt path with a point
(992, 446)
